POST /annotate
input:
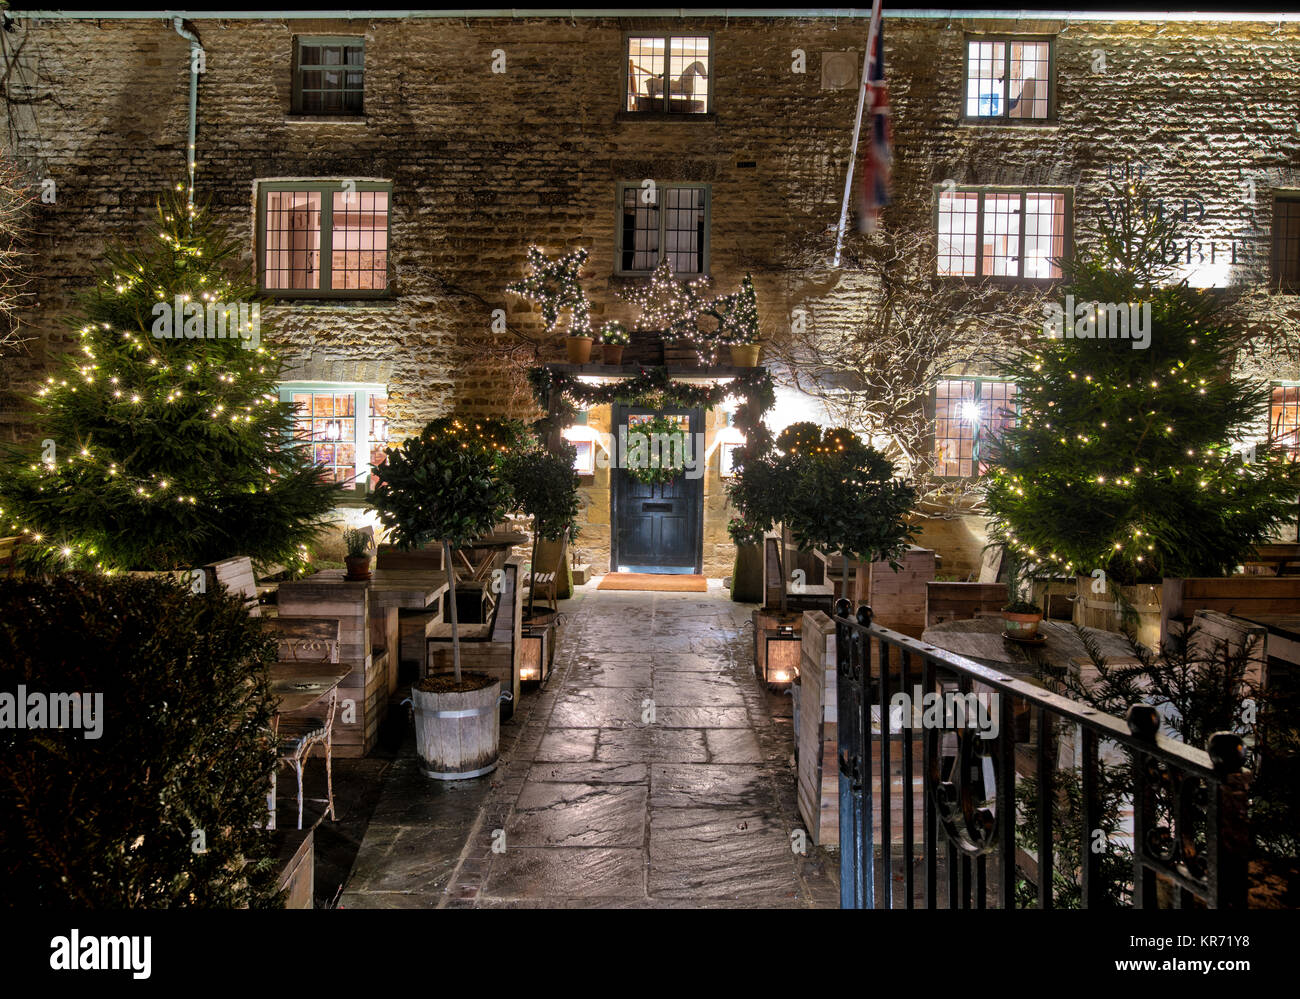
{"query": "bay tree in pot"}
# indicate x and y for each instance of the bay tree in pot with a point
(545, 488)
(447, 485)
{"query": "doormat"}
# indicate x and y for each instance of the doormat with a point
(664, 582)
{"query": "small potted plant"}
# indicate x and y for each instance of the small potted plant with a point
(1020, 616)
(744, 354)
(613, 338)
(357, 560)
(578, 344)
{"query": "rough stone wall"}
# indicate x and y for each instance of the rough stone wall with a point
(485, 164)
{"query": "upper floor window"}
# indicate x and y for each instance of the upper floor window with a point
(1009, 79)
(329, 75)
(324, 238)
(970, 414)
(669, 74)
(1285, 258)
(995, 232)
(658, 220)
(345, 425)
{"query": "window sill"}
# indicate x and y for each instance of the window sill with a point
(318, 119)
(707, 117)
(331, 301)
(631, 277)
(996, 122)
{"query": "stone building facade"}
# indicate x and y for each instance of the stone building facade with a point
(495, 134)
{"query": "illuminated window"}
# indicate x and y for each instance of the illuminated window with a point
(324, 239)
(1002, 233)
(970, 415)
(328, 75)
(346, 427)
(1286, 243)
(663, 220)
(1009, 79)
(684, 61)
(1284, 418)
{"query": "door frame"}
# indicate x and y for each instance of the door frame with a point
(619, 413)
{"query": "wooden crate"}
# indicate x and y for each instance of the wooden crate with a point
(1180, 599)
(363, 693)
(898, 599)
(818, 773)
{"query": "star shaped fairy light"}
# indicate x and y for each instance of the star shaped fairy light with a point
(556, 287)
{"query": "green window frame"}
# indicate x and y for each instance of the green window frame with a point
(340, 56)
(686, 62)
(360, 429)
(1284, 416)
(324, 238)
(964, 409)
(991, 232)
(993, 64)
(668, 234)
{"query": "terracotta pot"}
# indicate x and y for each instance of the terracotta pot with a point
(358, 567)
(745, 355)
(612, 352)
(579, 348)
(1021, 625)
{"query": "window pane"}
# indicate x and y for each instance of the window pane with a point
(997, 408)
(327, 422)
(684, 229)
(378, 439)
(330, 78)
(957, 415)
(640, 230)
(292, 229)
(985, 83)
(1286, 243)
(359, 258)
(688, 73)
(1044, 234)
(1001, 249)
(1027, 97)
(957, 230)
(1284, 418)
(645, 74)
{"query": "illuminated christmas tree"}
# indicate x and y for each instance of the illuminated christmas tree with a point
(162, 443)
(1132, 450)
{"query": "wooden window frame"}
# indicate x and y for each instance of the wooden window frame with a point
(362, 391)
(1289, 287)
(660, 187)
(326, 189)
(979, 381)
(1004, 119)
(1023, 191)
(349, 40)
(665, 114)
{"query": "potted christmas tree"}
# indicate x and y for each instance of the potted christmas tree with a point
(613, 338)
(446, 485)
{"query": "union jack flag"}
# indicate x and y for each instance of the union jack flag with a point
(873, 192)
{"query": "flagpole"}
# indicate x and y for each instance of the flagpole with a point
(857, 124)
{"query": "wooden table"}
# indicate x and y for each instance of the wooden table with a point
(298, 685)
(981, 639)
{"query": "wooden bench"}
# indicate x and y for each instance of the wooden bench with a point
(813, 593)
(1282, 558)
(493, 646)
(962, 601)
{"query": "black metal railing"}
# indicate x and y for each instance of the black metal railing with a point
(1189, 832)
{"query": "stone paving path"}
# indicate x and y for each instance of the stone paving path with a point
(653, 771)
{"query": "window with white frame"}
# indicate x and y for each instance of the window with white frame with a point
(970, 415)
(1009, 79)
(1284, 418)
(1002, 233)
(324, 238)
(658, 220)
(346, 427)
(672, 68)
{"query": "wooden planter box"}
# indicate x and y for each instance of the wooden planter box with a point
(296, 852)
(363, 694)
(1239, 596)
(818, 769)
(1103, 611)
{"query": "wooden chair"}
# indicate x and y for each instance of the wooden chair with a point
(297, 735)
(306, 639)
(546, 582)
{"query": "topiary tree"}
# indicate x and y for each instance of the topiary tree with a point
(165, 444)
(829, 491)
(159, 798)
(1126, 457)
(446, 485)
(545, 487)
